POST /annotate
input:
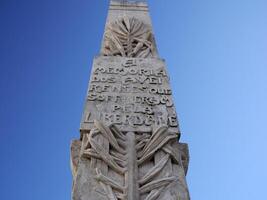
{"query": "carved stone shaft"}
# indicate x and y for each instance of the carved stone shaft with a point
(129, 135)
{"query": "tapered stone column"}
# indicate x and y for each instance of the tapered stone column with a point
(129, 145)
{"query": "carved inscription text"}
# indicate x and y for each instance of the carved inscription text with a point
(132, 93)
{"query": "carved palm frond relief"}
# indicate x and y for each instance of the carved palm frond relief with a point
(129, 37)
(132, 166)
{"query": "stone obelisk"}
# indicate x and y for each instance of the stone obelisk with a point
(129, 145)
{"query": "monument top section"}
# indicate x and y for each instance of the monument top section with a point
(128, 30)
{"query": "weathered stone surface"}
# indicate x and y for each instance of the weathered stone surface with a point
(112, 162)
(128, 147)
(133, 93)
(129, 37)
(75, 156)
(134, 9)
(184, 150)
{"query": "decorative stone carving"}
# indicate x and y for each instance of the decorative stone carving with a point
(74, 156)
(129, 134)
(129, 37)
(133, 166)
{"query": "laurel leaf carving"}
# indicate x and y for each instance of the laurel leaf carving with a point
(153, 171)
(129, 37)
(139, 149)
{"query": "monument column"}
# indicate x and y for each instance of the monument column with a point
(129, 145)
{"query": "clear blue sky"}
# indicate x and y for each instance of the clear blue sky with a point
(216, 53)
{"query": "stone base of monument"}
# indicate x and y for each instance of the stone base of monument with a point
(110, 164)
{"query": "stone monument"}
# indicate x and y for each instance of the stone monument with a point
(129, 145)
